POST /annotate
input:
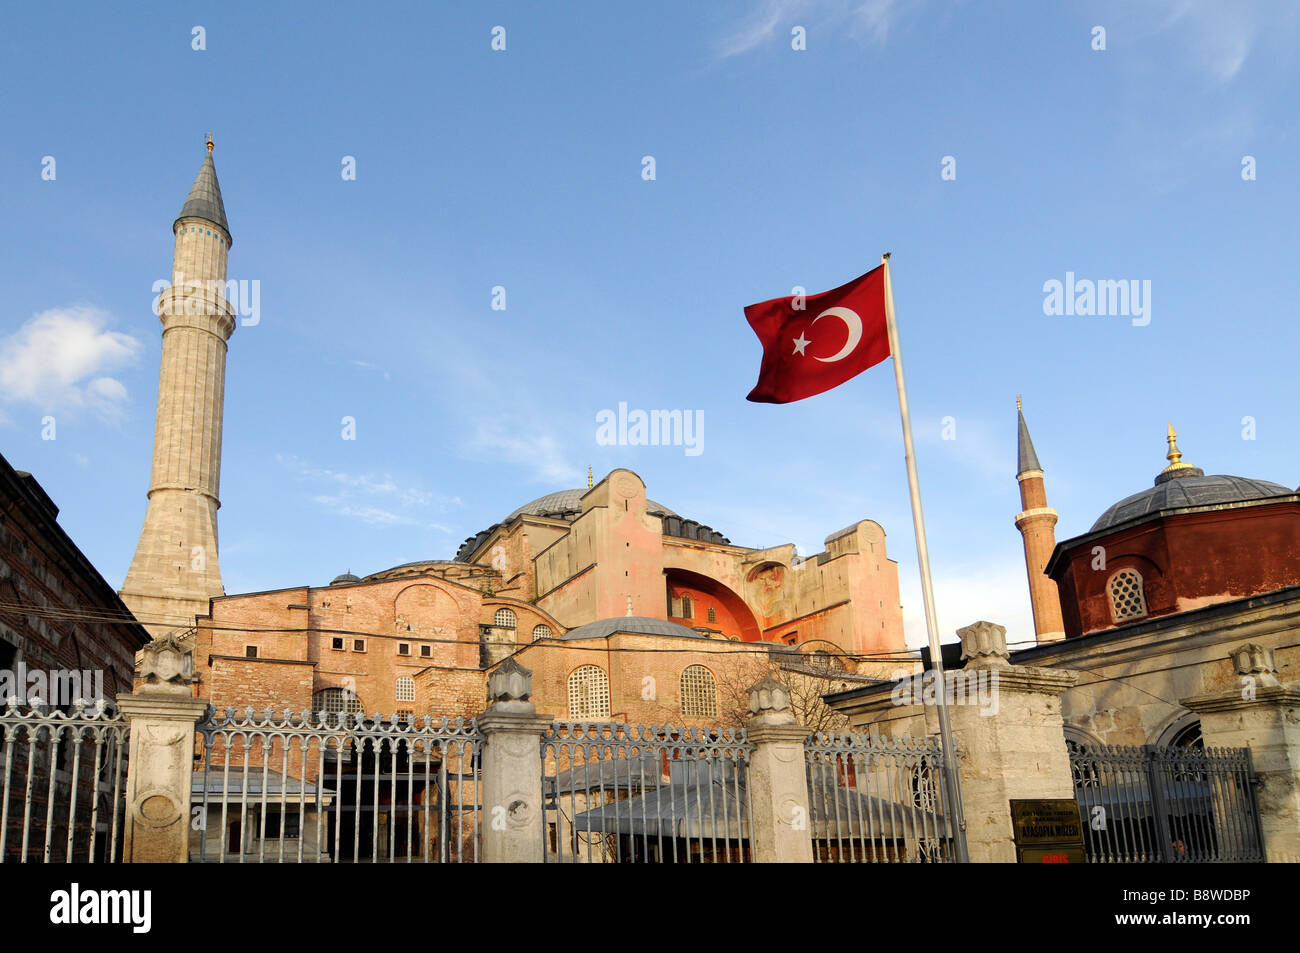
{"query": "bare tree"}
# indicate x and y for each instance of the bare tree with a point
(806, 682)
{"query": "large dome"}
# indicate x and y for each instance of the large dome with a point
(1192, 490)
(567, 505)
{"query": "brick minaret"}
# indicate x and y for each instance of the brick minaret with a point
(1037, 522)
(175, 570)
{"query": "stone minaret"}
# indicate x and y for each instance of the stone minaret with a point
(175, 570)
(1037, 524)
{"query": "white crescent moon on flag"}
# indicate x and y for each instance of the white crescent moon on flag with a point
(852, 322)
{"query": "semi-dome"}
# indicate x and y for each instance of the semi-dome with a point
(344, 578)
(635, 624)
(1182, 485)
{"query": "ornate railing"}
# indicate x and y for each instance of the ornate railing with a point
(62, 783)
(335, 787)
(616, 793)
(877, 800)
(1162, 804)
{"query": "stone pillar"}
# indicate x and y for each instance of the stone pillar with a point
(780, 825)
(1264, 716)
(162, 714)
(1007, 719)
(512, 769)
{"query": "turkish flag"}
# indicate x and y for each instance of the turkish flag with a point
(836, 335)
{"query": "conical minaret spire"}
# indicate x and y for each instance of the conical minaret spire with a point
(1037, 524)
(175, 571)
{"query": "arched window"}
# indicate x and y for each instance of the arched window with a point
(1188, 737)
(688, 611)
(406, 689)
(589, 693)
(505, 619)
(1127, 600)
(699, 693)
(541, 632)
(336, 700)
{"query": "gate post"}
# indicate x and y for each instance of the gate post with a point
(512, 768)
(779, 823)
(1007, 719)
(162, 714)
(1263, 715)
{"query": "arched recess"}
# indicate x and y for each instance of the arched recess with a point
(416, 607)
(734, 617)
(1181, 729)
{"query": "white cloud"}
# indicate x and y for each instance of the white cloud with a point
(60, 360)
(871, 20)
(1217, 38)
(966, 594)
(530, 448)
(356, 495)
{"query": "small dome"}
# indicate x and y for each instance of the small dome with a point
(1193, 490)
(635, 624)
(344, 579)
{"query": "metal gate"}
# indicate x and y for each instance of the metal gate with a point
(62, 784)
(877, 800)
(1162, 804)
(635, 794)
(335, 787)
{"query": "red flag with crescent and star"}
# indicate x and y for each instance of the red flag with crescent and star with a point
(807, 350)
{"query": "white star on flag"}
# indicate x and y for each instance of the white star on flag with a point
(800, 343)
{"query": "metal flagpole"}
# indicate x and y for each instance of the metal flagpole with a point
(954, 808)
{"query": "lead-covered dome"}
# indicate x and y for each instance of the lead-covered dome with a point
(567, 505)
(635, 624)
(1192, 490)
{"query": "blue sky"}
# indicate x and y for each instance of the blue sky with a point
(774, 168)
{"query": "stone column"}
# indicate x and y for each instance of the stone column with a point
(512, 769)
(780, 823)
(1007, 719)
(1264, 716)
(162, 714)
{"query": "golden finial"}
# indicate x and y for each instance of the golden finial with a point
(209, 142)
(1018, 407)
(1175, 456)
(589, 483)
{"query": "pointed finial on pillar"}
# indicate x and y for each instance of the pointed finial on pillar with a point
(1019, 406)
(589, 476)
(209, 142)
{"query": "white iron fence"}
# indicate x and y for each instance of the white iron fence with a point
(335, 787)
(62, 784)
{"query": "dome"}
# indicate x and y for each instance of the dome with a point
(567, 505)
(635, 624)
(1195, 489)
(344, 579)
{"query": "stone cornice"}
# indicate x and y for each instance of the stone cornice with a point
(1283, 696)
(509, 721)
